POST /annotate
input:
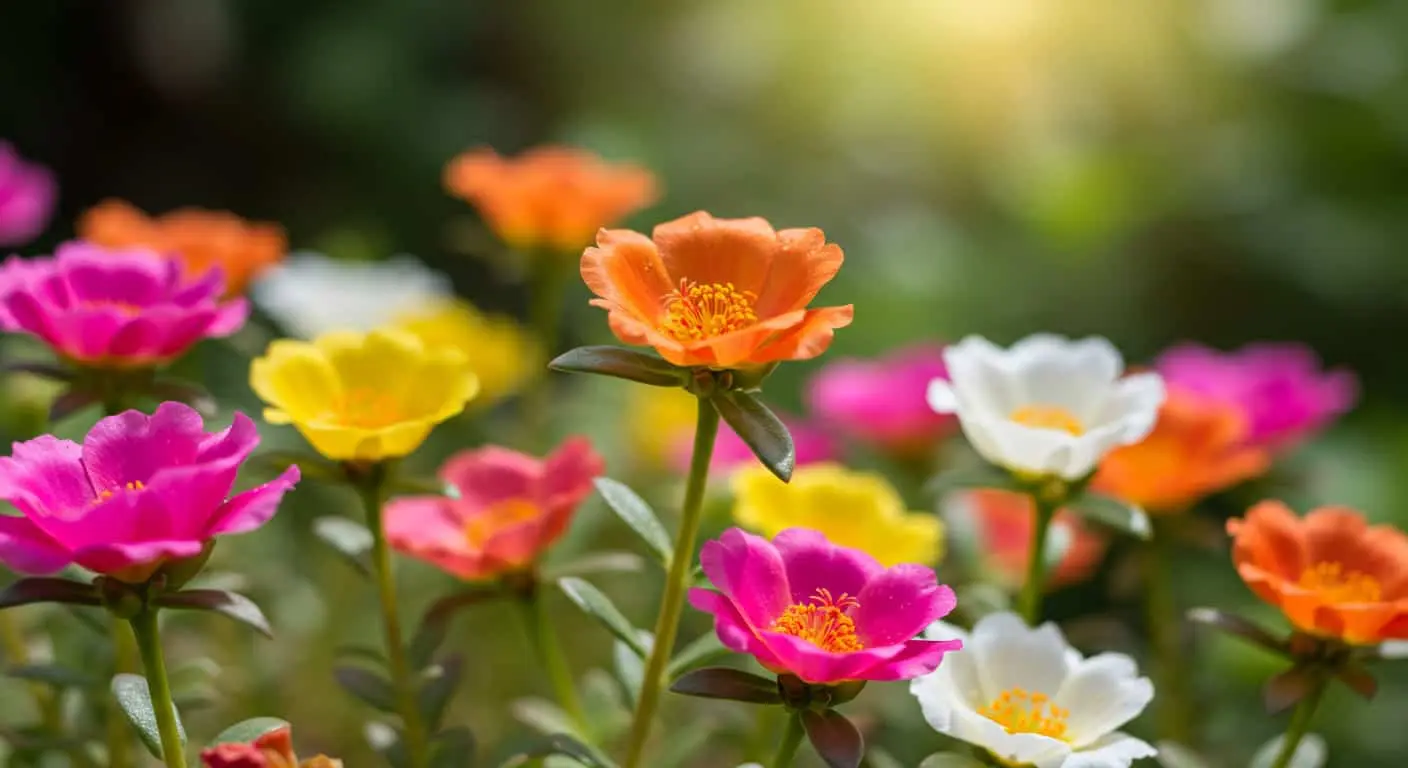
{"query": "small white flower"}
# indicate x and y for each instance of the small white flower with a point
(1030, 699)
(311, 294)
(1047, 405)
(1310, 753)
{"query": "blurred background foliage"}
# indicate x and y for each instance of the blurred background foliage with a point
(1153, 171)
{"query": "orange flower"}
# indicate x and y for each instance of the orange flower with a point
(1331, 573)
(200, 239)
(1197, 448)
(555, 197)
(721, 293)
(1002, 524)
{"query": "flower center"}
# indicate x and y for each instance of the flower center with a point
(366, 407)
(822, 622)
(135, 485)
(1048, 417)
(480, 528)
(1338, 585)
(699, 311)
(1020, 711)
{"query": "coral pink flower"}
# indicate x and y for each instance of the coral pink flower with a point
(511, 507)
(139, 491)
(813, 446)
(27, 196)
(883, 401)
(271, 750)
(803, 606)
(1001, 525)
(114, 309)
(1279, 387)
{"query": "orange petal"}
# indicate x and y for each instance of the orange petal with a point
(731, 350)
(625, 269)
(804, 262)
(703, 249)
(806, 339)
(1335, 535)
(1365, 624)
(1387, 548)
(1264, 585)
(1272, 538)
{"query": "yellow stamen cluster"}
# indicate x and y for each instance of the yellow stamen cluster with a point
(369, 408)
(1338, 585)
(697, 311)
(481, 527)
(1020, 711)
(822, 622)
(135, 485)
(1048, 417)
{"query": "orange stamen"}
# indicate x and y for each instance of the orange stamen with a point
(822, 622)
(1020, 711)
(1048, 417)
(480, 528)
(1338, 585)
(699, 311)
(135, 485)
(367, 407)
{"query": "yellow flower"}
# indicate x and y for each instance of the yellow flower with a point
(661, 423)
(860, 510)
(363, 397)
(500, 354)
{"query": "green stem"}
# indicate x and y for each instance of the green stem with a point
(676, 582)
(791, 739)
(545, 313)
(125, 653)
(544, 640)
(173, 752)
(1034, 588)
(1300, 723)
(373, 495)
(1164, 623)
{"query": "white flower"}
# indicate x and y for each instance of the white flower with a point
(311, 294)
(1048, 405)
(1030, 699)
(1310, 752)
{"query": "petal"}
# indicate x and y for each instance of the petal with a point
(112, 557)
(393, 442)
(253, 508)
(813, 563)
(801, 265)
(749, 571)
(1271, 537)
(1102, 693)
(1012, 655)
(1335, 535)
(702, 249)
(733, 630)
(916, 658)
(625, 269)
(131, 446)
(296, 377)
(230, 316)
(1115, 750)
(807, 661)
(26, 548)
(487, 476)
(899, 603)
(45, 479)
(429, 528)
(807, 339)
(1134, 406)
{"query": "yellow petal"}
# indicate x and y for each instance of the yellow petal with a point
(295, 377)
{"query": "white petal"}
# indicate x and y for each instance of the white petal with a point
(942, 398)
(984, 381)
(310, 294)
(1027, 449)
(1012, 655)
(1074, 375)
(1102, 693)
(1133, 405)
(1310, 753)
(1115, 750)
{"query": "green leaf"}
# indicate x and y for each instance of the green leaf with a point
(387, 742)
(135, 700)
(726, 683)
(53, 674)
(367, 686)
(700, 651)
(48, 590)
(452, 748)
(1358, 679)
(621, 363)
(875, 757)
(760, 430)
(630, 667)
(835, 739)
(360, 653)
(635, 513)
(967, 478)
(247, 731)
(543, 716)
(231, 604)
(351, 539)
(1106, 510)
(436, 622)
(597, 605)
(594, 563)
(560, 744)
(1286, 689)
(1237, 626)
(35, 368)
(437, 687)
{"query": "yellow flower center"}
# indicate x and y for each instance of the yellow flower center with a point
(135, 485)
(1338, 585)
(367, 408)
(822, 622)
(1020, 711)
(480, 528)
(699, 311)
(1048, 417)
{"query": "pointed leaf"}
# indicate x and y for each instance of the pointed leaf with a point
(438, 687)
(1114, 513)
(135, 700)
(726, 683)
(1235, 625)
(367, 686)
(543, 716)
(1286, 689)
(969, 478)
(1358, 679)
(630, 667)
(35, 368)
(452, 748)
(594, 563)
(597, 605)
(760, 430)
(621, 363)
(246, 731)
(48, 590)
(835, 739)
(351, 539)
(231, 604)
(436, 623)
(387, 742)
(360, 653)
(560, 744)
(700, 651)
(53, 674)
(635, 513)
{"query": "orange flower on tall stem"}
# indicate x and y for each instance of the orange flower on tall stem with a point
(1198, 447)
(717, 293)
(548, 197)
(200, 239)
(1331, 573)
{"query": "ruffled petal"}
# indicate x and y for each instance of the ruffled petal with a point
(813, 563)
(253, 508)
(750, 572)
(733, 630)
(802, 264)
(1102, 693)
(131, 446)
(26, 548)
(702, 249)
(625, 269)
(899, 603)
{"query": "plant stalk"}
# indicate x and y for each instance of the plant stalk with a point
(791, 739)
(1034, 588)
(545, 304)
(544, 639)
(1300, 723)
(144, 627)
(1165, 625)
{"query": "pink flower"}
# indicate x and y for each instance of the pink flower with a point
(813, 446)
(1279, 387)
(114, 309)
(511, 507)
(803, 606)
(27, 196)
(883, 401)
(139, 491)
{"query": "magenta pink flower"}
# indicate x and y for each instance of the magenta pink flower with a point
(803, 606)
(27, 196)
(883, 401)
(140, 490)
(114, 308)
(813, 446)
(1281, 388)
(511, 508)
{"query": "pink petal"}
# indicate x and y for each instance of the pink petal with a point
(750, 573)
(515, 545)
(44, 478)
(131, 446)
(253, 508)
(814, 563)
(486, 476)
(918, 658)
(139, 279)
(899, 603)
(731, 627)
(568, 471)
(429, 528)
(815, 665)
(26, 548)
(109, 558)
(229, 317)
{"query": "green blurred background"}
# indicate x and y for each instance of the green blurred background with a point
(1153, 171)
